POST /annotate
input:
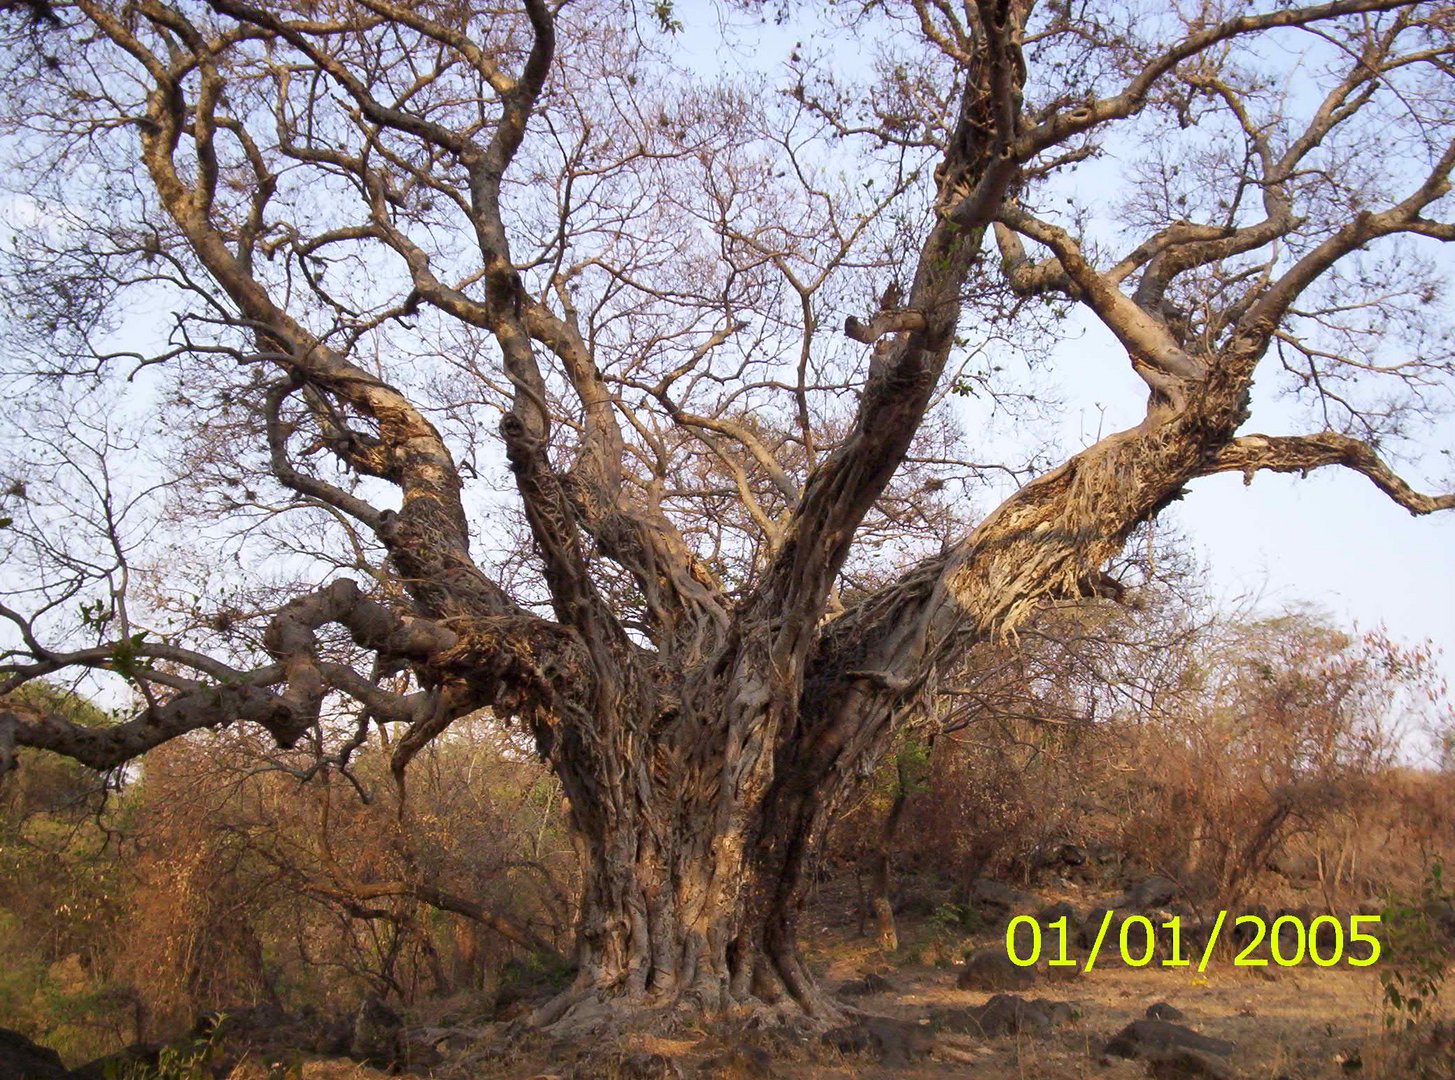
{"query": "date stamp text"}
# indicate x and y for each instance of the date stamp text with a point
(1287, 941)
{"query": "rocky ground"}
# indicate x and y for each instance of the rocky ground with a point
(945, 1004)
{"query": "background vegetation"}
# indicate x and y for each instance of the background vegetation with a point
(1270, 760)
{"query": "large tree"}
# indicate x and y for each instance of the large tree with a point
(317, 245)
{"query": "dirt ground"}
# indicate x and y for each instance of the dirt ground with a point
(1300, 1024)
(1296, 1022)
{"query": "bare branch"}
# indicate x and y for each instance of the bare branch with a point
(1250, 454)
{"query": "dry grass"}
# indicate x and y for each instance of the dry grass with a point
(1295, 1023)
(332, 1069)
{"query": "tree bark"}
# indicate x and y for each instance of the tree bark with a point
(879, 859)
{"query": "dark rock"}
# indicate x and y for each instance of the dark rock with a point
(894, 1042)
(1292, 941)
(1086, 934)
(1326, 938)
(1195, 935)
(1163, 1011)
(1060, 854)
(1056, 854)
(990, 893)
(1004, 1014)
(1153, 892)
(1024, 936)
(1007, 1014)
(871, 983)
(21, 1059)
(1150, 1038)
(1184, 1064)
(1060, 909)
(990, 969)
(139, 1058)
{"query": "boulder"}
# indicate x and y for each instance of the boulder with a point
(870, 983)
(1004, 1014)
(1090, 926)
(1061, 909)
(989, 969)
(1141, 1035)
(1326, 938)
(21, 1059)
(1072, 855)
(895, 1043)
(988, 892)
(1151, 892)
(1290, 938)
(1163, 1011)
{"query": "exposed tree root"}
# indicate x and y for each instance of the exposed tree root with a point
(593, 1013)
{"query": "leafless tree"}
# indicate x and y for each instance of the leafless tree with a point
(374, 226)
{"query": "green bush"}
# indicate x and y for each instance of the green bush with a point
(1418, 950)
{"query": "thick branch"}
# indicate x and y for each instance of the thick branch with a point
(286, 697)
(1156, 355)
(1250, 454)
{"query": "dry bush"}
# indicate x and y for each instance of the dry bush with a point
(257, 887)
(1234, 756)
(1279, 733)
(217, 879)
(998, 770)
(1382, 845)
(1072, 670)
(997, 801)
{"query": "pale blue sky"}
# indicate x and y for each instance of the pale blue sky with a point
(1331, 539)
